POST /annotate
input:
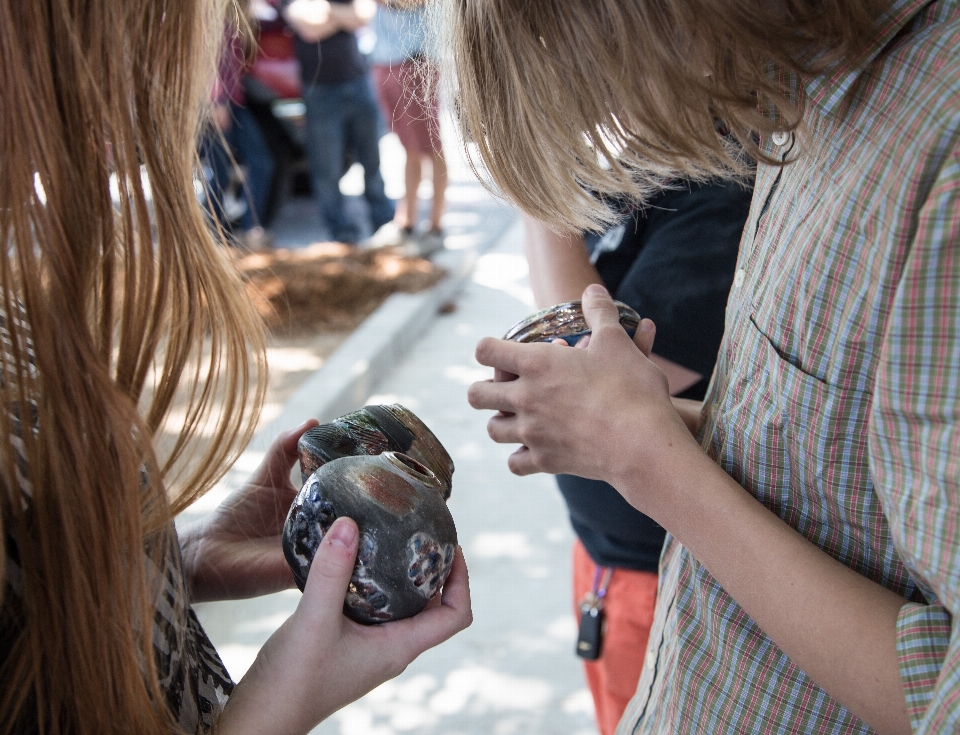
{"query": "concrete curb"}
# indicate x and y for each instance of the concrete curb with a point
(371, 352)
(356, 368)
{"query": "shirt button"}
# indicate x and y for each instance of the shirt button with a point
(780, 137)
(650, 661)
(739, 277)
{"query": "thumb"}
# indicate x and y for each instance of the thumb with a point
(281, 456)
(644, 336)
(599, 311)
(331, 570)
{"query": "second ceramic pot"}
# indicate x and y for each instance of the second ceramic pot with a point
(565, 321)
(373, 430)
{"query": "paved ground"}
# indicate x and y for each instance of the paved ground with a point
(514, 670)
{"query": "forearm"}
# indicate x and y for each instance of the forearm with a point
(836, 625)
(560, 266)
(560, 269)
(689, 412)
(312, 20)
(353, 16)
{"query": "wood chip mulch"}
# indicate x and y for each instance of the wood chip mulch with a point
(328, 286)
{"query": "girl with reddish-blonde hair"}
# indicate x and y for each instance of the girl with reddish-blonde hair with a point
(116, 298)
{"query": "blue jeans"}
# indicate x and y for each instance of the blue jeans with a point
(249, 147)
(340, 118)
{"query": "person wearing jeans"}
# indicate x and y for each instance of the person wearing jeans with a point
(343, 117)
(341, 110)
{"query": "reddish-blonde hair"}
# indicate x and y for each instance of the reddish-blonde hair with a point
(563, 103)
(127, 300)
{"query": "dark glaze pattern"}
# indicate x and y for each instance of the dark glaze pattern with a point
(374, 430)
(564, 321)
(407, 535)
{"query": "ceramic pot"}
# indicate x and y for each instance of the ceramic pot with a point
(407, 535)
(565, 321)
(373, 430)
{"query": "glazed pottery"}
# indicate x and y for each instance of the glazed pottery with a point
(565, 321)
(407, 535)
(373, 430)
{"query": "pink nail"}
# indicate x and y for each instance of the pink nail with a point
(342, 533)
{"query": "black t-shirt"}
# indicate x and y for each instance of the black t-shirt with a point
(334, 60)
(675, 265)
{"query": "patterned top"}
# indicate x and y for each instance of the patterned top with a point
(191, 673)
(836, 398)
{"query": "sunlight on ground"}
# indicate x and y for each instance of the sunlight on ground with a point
(269, 412)
(293, 359)
(461, 219)
(506, 272)
(472, 193)
(467, 374)
(422, 701)
(467, 452)
(238, 657)
(563, 629)
(464, 241)
(497, 544)
(579, 703)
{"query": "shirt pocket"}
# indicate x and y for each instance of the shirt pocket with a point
(800, 445)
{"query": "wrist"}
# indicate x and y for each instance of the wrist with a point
(191, 538)
(662, 480)
(689, 412)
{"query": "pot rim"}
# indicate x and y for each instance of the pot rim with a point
(409, 466)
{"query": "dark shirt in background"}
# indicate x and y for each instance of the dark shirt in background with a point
(675, 265)
(334, 60)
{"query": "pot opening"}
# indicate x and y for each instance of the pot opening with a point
(408, 464)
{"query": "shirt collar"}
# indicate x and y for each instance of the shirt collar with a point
(828, 89)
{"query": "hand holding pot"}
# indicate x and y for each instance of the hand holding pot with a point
(602, 412)
(319, 661)
(235, 553)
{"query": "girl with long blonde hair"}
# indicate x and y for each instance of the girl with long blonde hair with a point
(809, 581)
(116, 299)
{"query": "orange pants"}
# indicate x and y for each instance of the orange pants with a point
(628, 612)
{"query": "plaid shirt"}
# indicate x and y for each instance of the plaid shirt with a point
(836, 397)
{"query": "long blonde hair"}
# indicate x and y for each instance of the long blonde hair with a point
(563, 103)
(116, 293)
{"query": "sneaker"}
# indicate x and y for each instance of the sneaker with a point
(390, 235)
(425, 245)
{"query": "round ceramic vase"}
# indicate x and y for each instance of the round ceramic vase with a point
(407, 536)
(565, 321)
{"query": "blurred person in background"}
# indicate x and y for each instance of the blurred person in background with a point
(235, 138)
(406, 90)
(118, 311)
(672, 261)
(342, 112)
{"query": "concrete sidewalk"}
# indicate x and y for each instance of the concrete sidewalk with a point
(514, 670)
